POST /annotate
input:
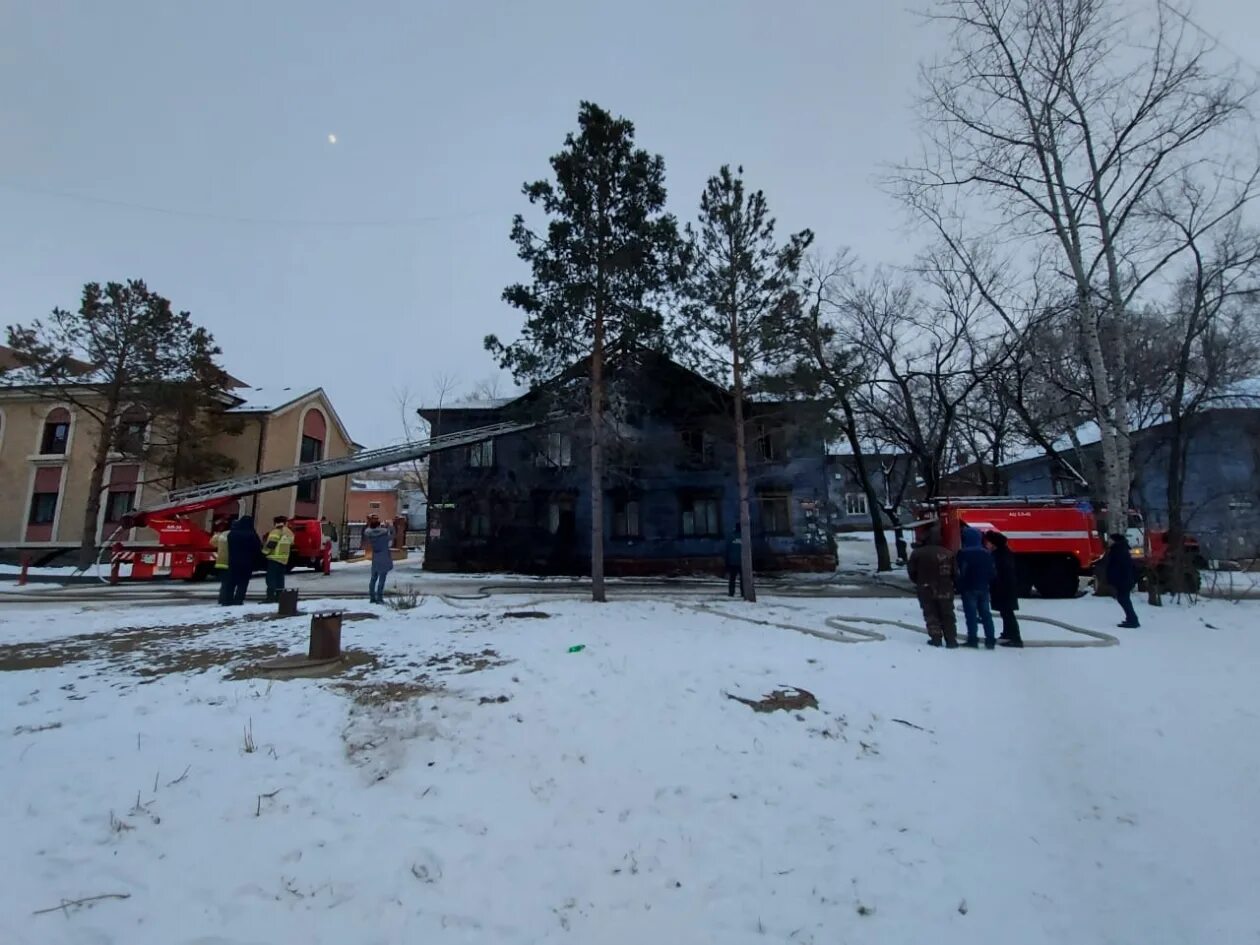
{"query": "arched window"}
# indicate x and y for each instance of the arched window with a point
(314, 432)
(55, 438)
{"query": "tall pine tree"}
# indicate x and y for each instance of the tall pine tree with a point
(124, 355)
(742, 296)
(599, 274)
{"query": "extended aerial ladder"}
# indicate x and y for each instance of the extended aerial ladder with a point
(185, 549)
(212, 494)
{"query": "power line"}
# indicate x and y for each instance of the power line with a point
(248, 220)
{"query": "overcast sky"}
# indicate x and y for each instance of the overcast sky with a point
(188, 144)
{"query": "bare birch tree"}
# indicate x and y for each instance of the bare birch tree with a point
(1061, 124)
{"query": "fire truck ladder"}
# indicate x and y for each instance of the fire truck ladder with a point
(211, 493)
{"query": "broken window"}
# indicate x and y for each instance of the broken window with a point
(557, 452)
(698, 448)
(771, 444)
(776, 512)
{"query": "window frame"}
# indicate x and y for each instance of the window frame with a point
(44, 438)
(557, 452)
(688, 502)
(308, 489)
(773, 497)
(772, 443)
(619, 515)
(110, 498)
(52, 511)
(475, 454)
(699, 448)
(851, 506)
(476, 523)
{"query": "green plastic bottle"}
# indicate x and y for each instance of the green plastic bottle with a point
(577, 649)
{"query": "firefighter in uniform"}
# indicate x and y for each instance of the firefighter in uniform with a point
(932, 569)
(220, 542)
(276, 548)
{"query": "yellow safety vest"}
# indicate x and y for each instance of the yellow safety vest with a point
(219, 540)
(283, 539)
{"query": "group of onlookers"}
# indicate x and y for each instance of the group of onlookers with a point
(984, 575)
(237, 548)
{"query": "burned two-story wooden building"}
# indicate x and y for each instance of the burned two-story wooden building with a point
(522, 502)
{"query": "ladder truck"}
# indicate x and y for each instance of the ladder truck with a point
(184, 549)
(1055, 539)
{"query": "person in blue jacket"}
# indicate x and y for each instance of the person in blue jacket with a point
(975, 573)
(1122, 576)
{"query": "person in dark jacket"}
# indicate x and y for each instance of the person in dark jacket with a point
(1004, 590)
(975, 574)
(931, 568)
(1122, 576)
(734, 564)
(244, 547)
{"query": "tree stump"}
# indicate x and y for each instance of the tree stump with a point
(288, 602)
(325, 636)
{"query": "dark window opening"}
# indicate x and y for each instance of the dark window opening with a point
(625, 517)
(118, 504)
(771, 444)
(481, 455)
(43, 508)
(698, 448)
(56, 437)
(700, 516)
(476, 522)
(555, 513)
(132, 429)
(776, 513)
(311, 451)
(556, 453)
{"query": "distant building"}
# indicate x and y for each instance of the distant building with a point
(46, 449)
(1222, 476)
(366, 497)
(890, 473)
(521, 502)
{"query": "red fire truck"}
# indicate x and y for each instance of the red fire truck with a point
(1055, 539)
(184, 550)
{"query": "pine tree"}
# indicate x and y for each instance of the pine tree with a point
(741, 291)
(124, 355)
(599, 273)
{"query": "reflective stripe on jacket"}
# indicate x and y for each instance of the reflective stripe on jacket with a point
(278, 544)
(220, 542)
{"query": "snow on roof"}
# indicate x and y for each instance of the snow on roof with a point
(470, 403)
(374, 485)
(869, 448)
(267, 399)
(1243, 394)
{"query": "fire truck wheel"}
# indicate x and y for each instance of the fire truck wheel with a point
(204, 570)
(1057, 580)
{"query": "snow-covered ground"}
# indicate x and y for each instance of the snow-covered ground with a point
(469, 779)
